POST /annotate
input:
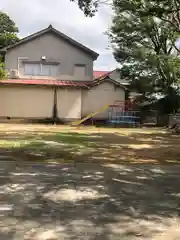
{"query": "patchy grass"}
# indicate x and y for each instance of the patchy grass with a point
(95, 196)
(84, 144)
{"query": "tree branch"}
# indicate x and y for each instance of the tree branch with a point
(169, 21)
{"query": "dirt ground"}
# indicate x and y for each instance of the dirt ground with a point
(84, 144)
(88, 183)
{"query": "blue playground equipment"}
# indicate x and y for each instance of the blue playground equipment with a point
(122, 113)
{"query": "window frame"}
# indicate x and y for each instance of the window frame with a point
(41, 63)
(81, 65)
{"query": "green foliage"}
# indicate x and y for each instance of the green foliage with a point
(3, 73)
(146, 46)
(170, 103)
(8, 31)
(166, 10)
(90, 7)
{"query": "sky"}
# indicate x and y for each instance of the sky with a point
(33, 15)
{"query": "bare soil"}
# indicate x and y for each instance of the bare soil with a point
(88, 183)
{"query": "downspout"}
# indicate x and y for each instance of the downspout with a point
(55, 112)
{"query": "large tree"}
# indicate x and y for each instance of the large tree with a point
(166, 10)
(147, 46)
(8, 31)
(8, 36)
(160, 8)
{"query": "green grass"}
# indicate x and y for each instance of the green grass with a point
(46, 143)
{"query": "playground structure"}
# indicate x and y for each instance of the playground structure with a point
(120, 113)
(78, 122)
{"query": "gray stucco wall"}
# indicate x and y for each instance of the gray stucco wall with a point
(55, 49)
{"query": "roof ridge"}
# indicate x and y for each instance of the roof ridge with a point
(104, 75)
(48, 29)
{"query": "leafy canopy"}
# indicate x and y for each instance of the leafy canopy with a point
(166, 10)
(8, 36)
(159, 8)
(147, 46)
(89, 7)
(8, 31)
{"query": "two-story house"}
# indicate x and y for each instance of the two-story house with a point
(48, 65)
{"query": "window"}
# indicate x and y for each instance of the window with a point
(80, 70)
(41, 69)
(33, 69)
(49, 70)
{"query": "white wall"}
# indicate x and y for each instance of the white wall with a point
(98, 96)
(69, 103)
(26, 102)
(37, 102)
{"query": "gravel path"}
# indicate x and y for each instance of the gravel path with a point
(87, 201)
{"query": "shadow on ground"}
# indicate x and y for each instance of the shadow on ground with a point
(87, 201)
(96, 192)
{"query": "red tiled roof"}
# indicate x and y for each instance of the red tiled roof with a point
(98, 74)
(47, 82)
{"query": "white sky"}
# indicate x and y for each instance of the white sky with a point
(32, 15)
